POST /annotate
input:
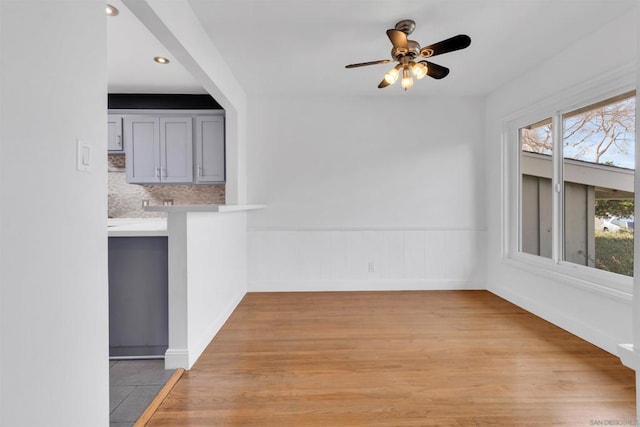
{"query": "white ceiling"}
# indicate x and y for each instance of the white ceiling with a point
(130, 51)
(302, 46)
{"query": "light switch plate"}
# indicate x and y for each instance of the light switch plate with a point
(83, 156)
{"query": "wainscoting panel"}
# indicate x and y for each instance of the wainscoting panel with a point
(320, 259)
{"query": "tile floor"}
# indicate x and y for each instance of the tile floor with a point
(132, 386)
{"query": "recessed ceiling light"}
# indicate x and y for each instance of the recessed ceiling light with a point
(161, 59)
(111, 10)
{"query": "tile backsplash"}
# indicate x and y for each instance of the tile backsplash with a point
(125, 200)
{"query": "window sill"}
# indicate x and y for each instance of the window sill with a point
(586, 278)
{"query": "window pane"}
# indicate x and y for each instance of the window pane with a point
(599, 162)
(536, 171)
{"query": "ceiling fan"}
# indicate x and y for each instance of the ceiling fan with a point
(406, 51)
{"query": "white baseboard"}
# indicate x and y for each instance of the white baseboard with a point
(175, 358)
(215, 326)
(360, 285)
(568, 323)
(629, 356)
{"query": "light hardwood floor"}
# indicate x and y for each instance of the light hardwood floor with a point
(396, 359)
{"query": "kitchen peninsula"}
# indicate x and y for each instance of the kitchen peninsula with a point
(207, 274)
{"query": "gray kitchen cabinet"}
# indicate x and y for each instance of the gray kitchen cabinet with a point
(176, 149)
(159, 149)
(115, 143)
(210, 160)
(142, 149)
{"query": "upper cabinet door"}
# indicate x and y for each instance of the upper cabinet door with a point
(176, 149)
(210, 153)
(142, 149)
(115, 143)
(165, 149)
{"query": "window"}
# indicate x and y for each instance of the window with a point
(575, 186)
(536, 170)
(598, 147)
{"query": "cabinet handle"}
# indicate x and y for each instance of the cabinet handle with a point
(199, 170)
(120, 141)
(157, 172)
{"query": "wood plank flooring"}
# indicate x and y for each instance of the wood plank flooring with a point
(441, 358)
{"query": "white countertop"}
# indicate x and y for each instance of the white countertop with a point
(141, 227)
(203, 208)
(137, 227)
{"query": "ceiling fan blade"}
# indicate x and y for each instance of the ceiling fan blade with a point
(362, 64)
(383, 83)
(458, 42)
(398, 38)
(436, 71)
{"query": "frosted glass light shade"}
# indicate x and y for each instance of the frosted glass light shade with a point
(420, 70)
(406, 83)
(391, 76)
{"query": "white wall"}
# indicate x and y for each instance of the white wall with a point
(217, 265)
(604, 320)
(349, 181)
(53, 235)
(207, 279)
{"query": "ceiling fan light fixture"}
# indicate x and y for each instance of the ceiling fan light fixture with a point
(407, 81)
(420, 70)
(392, 75)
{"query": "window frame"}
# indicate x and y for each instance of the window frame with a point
(564, 102)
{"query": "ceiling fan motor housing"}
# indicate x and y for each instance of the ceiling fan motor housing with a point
(414, 47)
(398, 52)
(412, 50)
